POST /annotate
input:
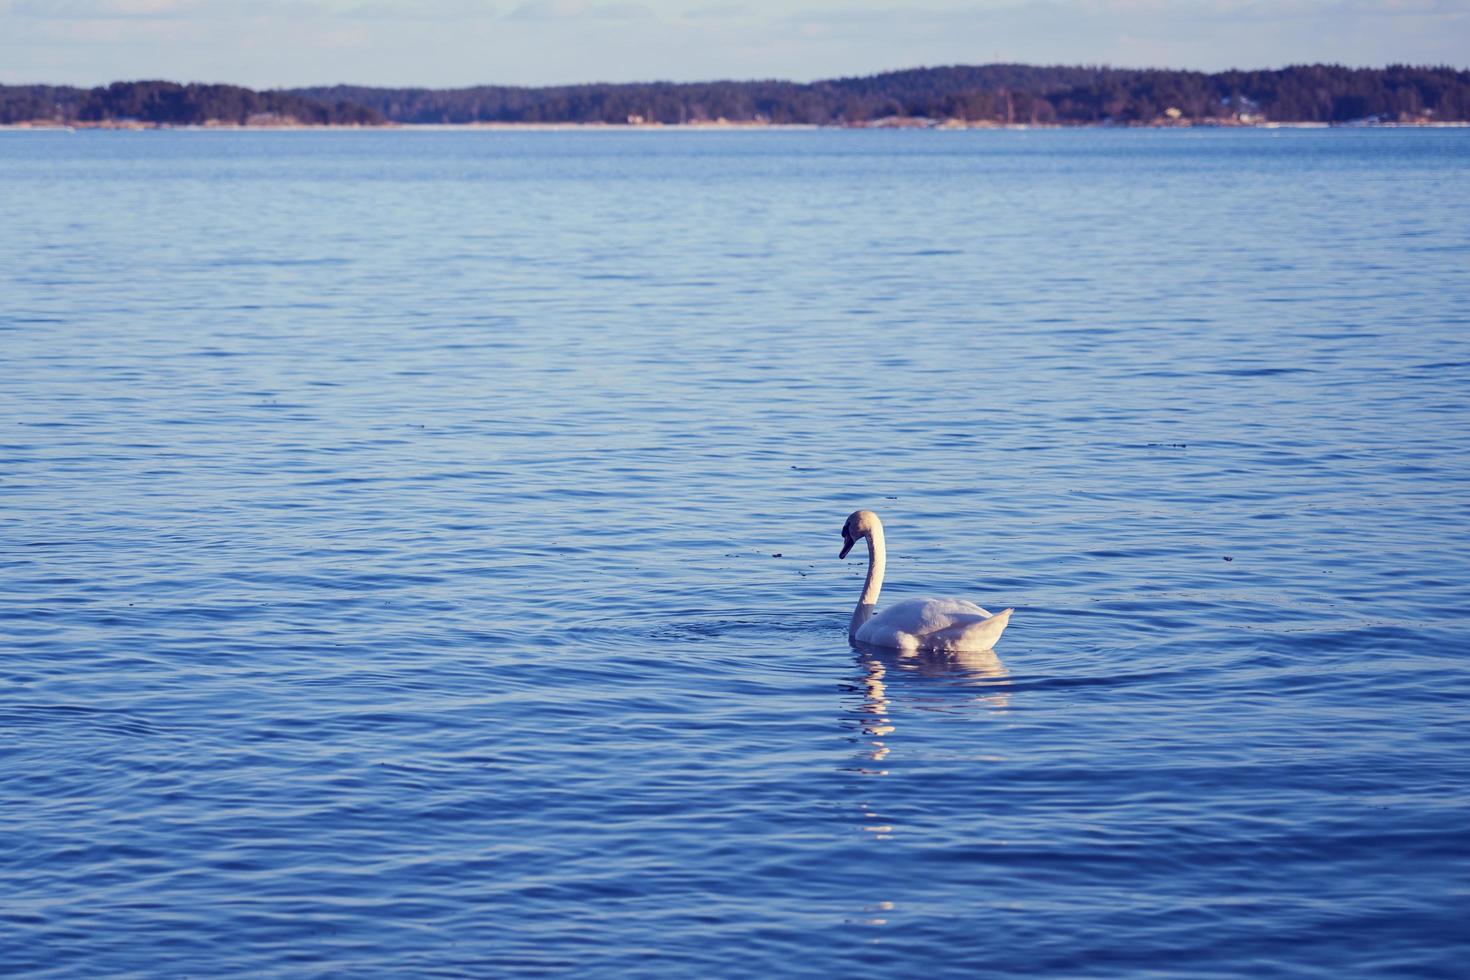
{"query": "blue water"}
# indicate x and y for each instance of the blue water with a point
(418, 553)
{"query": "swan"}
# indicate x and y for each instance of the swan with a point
(931, 625)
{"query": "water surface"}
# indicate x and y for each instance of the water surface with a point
(418, 553)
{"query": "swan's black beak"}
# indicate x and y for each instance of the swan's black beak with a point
(846, 544)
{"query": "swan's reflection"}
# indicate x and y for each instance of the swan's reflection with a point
(892, 684)
(930, 679)
(882, 666)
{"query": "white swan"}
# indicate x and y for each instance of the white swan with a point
(941, 625)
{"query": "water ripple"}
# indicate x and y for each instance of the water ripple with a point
(418, 553)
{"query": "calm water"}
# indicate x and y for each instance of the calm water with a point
(418, 553)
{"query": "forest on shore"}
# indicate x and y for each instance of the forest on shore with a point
(970, 95)
(158, 103)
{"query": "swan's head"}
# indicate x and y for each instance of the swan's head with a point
(860, 523)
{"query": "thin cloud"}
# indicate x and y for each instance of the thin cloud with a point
(102, 9)
(217, 11)
(561, 10)
(718, 11)
(423, 10)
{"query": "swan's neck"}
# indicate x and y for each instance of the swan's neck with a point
(877, 561)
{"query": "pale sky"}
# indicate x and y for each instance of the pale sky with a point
(439, 43)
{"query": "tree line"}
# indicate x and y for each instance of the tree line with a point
(986, 93)
(974, 94)
(171, 104)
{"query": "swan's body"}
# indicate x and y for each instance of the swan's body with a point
(941, 625)
(937, 625)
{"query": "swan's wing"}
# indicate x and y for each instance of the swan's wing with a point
(956, 608)
(967, 635)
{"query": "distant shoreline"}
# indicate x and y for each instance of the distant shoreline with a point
(923, 125)
(995, 96)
